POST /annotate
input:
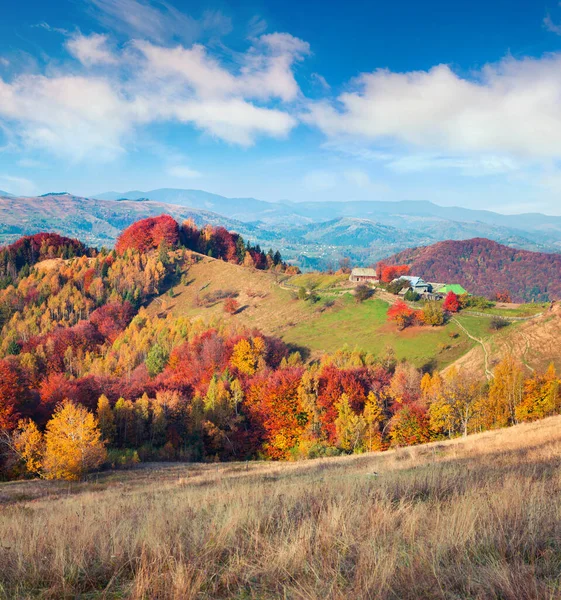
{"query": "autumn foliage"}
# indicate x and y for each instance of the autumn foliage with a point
(85, 368)
(403, 315)
(229, 246)
(483, 267)
(451, 303)
(387, 273)
(148, 234)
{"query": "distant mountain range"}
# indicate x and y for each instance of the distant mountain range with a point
(485, 267)
(430, 220)
(313, 234)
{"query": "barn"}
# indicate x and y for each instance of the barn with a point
(364, 275)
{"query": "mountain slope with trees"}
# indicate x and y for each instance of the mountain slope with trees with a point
(486, 268)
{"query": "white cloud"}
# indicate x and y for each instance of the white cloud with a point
(4, 61)
(157, 21)
(183, 172)
(57, 114)
(466, 165)
(320, 80)
(550, 25)
(510, 108)
(265, 72)
(83, 116)
(91, 50)
(256, 27)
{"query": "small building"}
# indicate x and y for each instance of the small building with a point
(364, 275)
(452, 287)
(417, 284)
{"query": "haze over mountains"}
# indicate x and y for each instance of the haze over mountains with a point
(315, 234)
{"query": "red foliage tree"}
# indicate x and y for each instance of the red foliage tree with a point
(387, 273)
(11, 395)
(273, 401)
(231, 306)
(148, 234)
(503, 296)
(335, 382)
(111, 319)
(451, 302)
(401, 314)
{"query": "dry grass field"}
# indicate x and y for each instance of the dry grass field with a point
(473, 518)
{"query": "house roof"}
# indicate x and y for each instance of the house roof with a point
(414, 281)
(364, 273)
(452, 287)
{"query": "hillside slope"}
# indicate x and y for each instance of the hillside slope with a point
(534, 342)
(268, 302)
(485, 267)
(466, 518)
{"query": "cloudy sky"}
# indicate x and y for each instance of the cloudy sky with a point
(454, 102)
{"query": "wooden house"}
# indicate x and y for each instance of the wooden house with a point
(364, 276)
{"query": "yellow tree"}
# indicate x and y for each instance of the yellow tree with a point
(106, 419)
(29, 444)
(505, 394)
(73, 444)
(350, 426)
(541, 396)
(247, 354)
(373, 416)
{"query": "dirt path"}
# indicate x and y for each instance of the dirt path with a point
(488, 373)
(527, 340)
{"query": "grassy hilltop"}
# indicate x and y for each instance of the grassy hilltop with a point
(468, 518)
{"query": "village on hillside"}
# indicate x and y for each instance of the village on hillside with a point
(426, 290)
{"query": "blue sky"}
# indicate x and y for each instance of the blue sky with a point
(454, 102)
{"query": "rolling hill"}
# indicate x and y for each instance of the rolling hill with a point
(485, 267)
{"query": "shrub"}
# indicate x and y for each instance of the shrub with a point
(363, 292)
(433, 314)
(412, 296)
(395, 287)
(498, 323)
(401, 314)
(231, 306)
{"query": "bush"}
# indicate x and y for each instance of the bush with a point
(216, 296)
(498, 323)
(412, 296)
(363, 292)
(396, 286)
(477, 302)
(433, 314)
(122, 459)
(231, 306)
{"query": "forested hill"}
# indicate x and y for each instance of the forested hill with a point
(485, 267)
